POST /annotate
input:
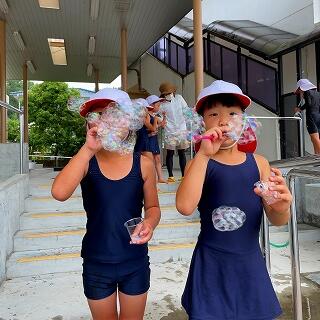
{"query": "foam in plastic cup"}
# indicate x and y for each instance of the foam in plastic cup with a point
(134, 227)
(268, 195)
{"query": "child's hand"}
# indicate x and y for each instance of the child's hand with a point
(163, 122)
(282, 195)
(145, 233)
(211, 147)
(147, 119)
(93, 143)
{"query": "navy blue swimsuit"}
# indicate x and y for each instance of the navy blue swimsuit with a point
(142, 142)
(153, 139)
(109, 204)
(228, 278)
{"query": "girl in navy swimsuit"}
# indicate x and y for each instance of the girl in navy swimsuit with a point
(115, 188)
(228, 278)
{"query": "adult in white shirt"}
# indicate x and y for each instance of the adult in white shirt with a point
(176, 128)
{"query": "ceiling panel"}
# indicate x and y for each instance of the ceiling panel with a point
(146, 20)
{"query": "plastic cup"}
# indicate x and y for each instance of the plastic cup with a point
(269, 196)
(134, 227)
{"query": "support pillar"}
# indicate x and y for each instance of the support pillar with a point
(198, 46)
(25, 104)
(124, 59)
(3, 111)
(96, 74)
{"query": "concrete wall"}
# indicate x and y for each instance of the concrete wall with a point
(12, 195)
(307, 201)
(311, 204)
(154, 72)
(10, 160)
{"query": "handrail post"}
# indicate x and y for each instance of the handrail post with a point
(301, 138)
(21, 125)
(191, 144)
(265, 244)
(294, 251)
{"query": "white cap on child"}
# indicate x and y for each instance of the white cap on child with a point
(141, 101)
(219, 87)
(104, 96)
(304, 85)
(153, 99)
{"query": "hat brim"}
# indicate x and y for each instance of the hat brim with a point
(159, 100)
(311, 87)
(243, 99)
(87, 106)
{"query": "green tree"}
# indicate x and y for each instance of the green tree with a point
(16, 86)
(13, 129)
(53, 128)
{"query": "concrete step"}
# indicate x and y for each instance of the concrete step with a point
(44, 189)
(61, 219)
(72, 237)
(36, 204)
(33, 263)
(74, 203)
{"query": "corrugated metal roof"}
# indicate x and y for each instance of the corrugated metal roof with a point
(258, 37)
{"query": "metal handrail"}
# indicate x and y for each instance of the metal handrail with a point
(21, 125)
(42, 156)
(293, 229)
(301, 136)
(51, 157)
(294, 242)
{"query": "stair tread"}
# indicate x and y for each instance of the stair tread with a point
(71, 252)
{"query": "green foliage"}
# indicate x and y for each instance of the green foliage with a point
(16, 86)
(53, 129)
(13, 129)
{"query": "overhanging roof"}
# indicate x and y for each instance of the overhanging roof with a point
(255, 36)
(184, 29)
(146, 22)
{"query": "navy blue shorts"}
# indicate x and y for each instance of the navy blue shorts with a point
(313, 123)
(101, 280)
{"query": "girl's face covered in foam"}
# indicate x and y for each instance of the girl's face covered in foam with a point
(116, 126)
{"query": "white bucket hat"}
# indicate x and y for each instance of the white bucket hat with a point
(154, 99)
(219, 87)
(142, 102)
(304, 85)
(104, 96)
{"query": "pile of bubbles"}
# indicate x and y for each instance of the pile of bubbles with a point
(227, 218)
(194, 122)
(74, 103)
(194, 126)
(175, 139)
(117, 125)
(243, 129)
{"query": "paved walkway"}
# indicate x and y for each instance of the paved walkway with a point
(44, 272)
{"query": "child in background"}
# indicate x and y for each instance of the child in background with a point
(156, 121)
(228, 278)
(142, 142)
(115, 187)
